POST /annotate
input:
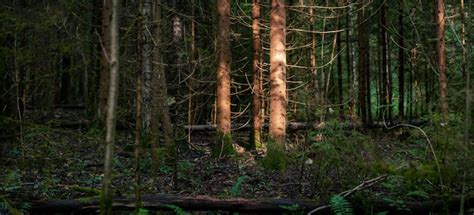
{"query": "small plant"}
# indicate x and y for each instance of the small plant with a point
(340, 206)
(235, 191)
(276, 158)
(294, 209)
(9, 208)
(177, 209)
(142, 211)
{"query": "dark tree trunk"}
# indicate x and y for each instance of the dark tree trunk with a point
(362, 69)
(339, 73)
(105, 54)
(441, 50)
(401, 63)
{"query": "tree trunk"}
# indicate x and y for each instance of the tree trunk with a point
(111, 108)
(146, 60)
(385, 66)
(257, 92)
(362, 69)
(278, 96)
(401, 63)
(441, 50)
(223, 68)
(160, 112)
(105, 41)
(339, 72)
(315, 96)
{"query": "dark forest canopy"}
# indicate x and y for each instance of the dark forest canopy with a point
(285, 81)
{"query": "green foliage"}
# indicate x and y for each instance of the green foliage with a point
(235, 190)
(142, 211)
(397, 203)
(223, 146)
(177, 210)
(11, 182)
(340, 206)
(276, 158)
(7, 206)
(294, 209)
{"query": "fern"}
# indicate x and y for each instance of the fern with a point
(142, 211)
(235, 190)
(177, 209)
(340, 206)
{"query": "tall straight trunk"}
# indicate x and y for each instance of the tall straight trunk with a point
(138, 117)
(160, 122)
(350, 62)
(339, 72)
(146, 60)
(278, 96)
(385, 67)
(401, 63)
(258, 105)
(441, 50)
(106, 200)
(193, 65)
(223, 68)
(368, 79)
(466, 26)
(315, 97)
(104, 46)
(362, 76)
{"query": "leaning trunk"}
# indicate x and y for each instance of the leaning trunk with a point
(111, 109)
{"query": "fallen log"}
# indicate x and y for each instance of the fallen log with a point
(311, 125)
(162, 202)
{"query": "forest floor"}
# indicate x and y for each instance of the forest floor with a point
(53, 162)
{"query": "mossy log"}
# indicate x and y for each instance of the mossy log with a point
(162, 202)
(271, 206)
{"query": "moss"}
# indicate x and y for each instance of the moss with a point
(276, 158)
(223, 146)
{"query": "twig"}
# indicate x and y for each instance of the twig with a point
(346, 193)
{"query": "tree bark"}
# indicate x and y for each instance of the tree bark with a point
(104, 46)
(146, 60)
(278, 95)
(257, 91)
(362, 76)
(111, 108)
(339, 72)
(160, 122)
(385, 67)
(441, 50)
(401, 63)
(223, 68)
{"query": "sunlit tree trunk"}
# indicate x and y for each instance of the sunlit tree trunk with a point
(223, 68)
(104, 63)
(106, 200)
(441, 50)
(257, 90)
(278, 96)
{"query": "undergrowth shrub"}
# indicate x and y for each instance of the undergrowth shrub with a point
(276, 158)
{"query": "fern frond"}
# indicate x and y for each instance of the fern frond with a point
(340, 206)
